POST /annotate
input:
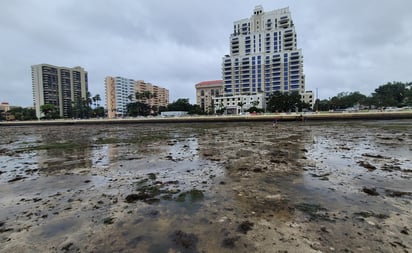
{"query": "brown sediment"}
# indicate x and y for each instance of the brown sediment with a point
(216, 187)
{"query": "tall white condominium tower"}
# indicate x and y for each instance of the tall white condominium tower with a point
(59, 86)
(264, 57)
(119, 92)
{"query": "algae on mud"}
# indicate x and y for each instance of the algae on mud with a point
(217, 187)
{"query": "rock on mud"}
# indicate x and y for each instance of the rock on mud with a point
(244, 227)
(370, 191)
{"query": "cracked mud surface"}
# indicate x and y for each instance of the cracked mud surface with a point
(228, 187)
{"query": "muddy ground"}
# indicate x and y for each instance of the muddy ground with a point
(218, 187)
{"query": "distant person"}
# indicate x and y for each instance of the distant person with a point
(275, 123)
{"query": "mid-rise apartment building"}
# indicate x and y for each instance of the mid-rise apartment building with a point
(205, 91)
(264, 57)
(121, 91)
(59, 86)
(157, 96)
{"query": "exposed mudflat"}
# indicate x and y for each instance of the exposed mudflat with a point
(209, 187)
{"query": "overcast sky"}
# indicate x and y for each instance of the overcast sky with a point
(347, 45)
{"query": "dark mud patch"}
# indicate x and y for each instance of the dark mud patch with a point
(367, 165)
(370, 191)
(399, 194)
(244, 227)
(17, 178)
(230, 242)
(186, 242)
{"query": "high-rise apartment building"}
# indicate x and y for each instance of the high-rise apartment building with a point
(121, 91)
(264, 57)
(59, 86)
(205, 91)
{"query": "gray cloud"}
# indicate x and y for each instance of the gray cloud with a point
(347, 45)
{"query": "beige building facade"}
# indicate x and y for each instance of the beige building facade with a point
(121, 91)
(205, 91)
(158, 96)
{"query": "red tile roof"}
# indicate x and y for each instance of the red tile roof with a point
(206, 83)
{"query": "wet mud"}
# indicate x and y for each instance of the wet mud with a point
(215, 187)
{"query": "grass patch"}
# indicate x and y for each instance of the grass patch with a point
(372, 214)
(54, 146)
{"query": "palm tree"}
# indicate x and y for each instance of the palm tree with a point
(241, 104)
(130, 97)
(96, 99)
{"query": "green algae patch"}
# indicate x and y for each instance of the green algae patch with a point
(191, 196)
(314, 211)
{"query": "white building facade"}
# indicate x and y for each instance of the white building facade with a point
(239, 104)
(119, 92)
(264, 57)
(58, 86)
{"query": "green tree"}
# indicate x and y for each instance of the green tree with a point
(221, 108)
(81, 108)
(96, 99)
(138, 109)
(23, 113)
(285, 102)
(322, 105)
(347, 99)
(130, 97)
(49, 111)
(98, 112)
(241, 104)
(181, 104)
(392, 94)
(254, 107)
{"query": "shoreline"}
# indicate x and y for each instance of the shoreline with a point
(225, 118)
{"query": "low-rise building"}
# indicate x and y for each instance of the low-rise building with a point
(308, 98)
(239, 104)
(205, 91)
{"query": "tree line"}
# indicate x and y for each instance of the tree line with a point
(80, 108)
(83, 108)
(142, 105)
(391, 94)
